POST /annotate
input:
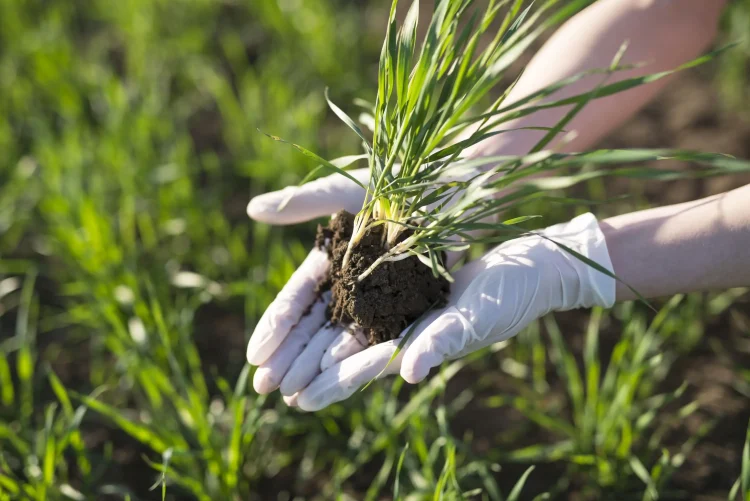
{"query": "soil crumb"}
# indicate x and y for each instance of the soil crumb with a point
(393, 296)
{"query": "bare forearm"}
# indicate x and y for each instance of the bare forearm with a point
(662, 34)
(695, 246)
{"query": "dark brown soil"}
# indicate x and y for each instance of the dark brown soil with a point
(385, 302)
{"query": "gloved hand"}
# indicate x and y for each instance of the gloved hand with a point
(491, 300)
(291, 321)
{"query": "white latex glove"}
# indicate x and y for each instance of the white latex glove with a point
(492, 299)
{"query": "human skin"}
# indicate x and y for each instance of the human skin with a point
(694, 246)
(661, 35)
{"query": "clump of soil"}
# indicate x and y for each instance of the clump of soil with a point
(385, 302)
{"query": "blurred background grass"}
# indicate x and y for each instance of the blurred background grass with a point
(130, 280)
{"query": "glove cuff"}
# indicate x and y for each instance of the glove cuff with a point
(584, 235)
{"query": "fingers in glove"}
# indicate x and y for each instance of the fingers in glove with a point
(318, 198)
(285, 311)
(307, 365)
(493, 306)
(341, 380)
(346, 344)
(443, 338)
(269, 375)
(447, 329)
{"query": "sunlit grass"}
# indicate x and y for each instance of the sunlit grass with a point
(129, 152)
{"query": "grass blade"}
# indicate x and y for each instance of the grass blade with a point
(323, 162)
(515, 494)
(141, 433)
(399, 466)
(348, 121)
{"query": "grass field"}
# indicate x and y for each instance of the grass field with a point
(131, 278)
